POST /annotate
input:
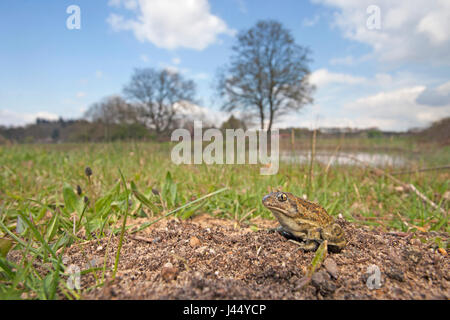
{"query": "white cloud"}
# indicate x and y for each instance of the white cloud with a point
(350, 60)
(413, 30)
(396, 110)
(310, 22)
(128, 4)
(323, 77)
(171, 69)
(439, 96)
(176, 61)
(436, 25)
(208, 116)
(144, 57)
(98, 74)
(171, 24)
(80, 94)
(388, 109)
(380, 81)
(13, 118)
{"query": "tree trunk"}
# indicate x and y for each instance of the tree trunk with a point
(269, 128)
(261, 115)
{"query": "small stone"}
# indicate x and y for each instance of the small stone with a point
(293, 279)
(194, 242)
(322, 282)
(94, 262)
(394, 256)
(396, 274)
(201, 250)
(169, 272)
(299, 284)
(398, 291)
(413, 255)
(157, 239)
(304, 269)
(318, 278)
(331, 267)
(99, 248)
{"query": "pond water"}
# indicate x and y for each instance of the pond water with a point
(345, 158)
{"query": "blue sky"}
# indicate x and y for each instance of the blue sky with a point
(393, 76)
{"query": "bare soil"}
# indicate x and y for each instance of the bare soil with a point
(208, 258)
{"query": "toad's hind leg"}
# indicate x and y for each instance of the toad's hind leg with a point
(310, 241)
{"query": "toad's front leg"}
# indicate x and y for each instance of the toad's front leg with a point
(285, 233)
(308, 245)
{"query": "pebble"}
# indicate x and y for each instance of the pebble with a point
(415, 241)
(395, 257)
(331, 267)
(169, 272)
(201, 250)
(194, 242)
(413, 255)
(321, 280)
(396, 274)
(157, 239)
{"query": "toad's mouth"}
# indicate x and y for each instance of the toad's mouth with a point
(278, 209)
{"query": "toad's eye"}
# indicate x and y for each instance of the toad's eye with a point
(282, 197)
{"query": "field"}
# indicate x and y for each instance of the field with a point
(50, 201)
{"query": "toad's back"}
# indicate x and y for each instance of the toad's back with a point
(312, 211)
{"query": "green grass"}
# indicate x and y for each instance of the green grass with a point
(38, 190)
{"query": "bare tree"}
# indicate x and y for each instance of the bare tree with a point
(267, 75)
(159, 95)
(112, 110)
